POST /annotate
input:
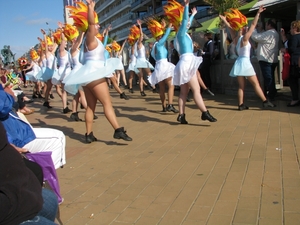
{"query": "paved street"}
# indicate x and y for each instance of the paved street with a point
(241, 170)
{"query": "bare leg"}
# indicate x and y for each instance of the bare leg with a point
(141, 80)
(117, 75)
(241, 82)
(170, 90)
(63, 96)
(194, 85)
(98, 90)
(253, 80)
(162, 94)
(131, 74)
(113, 80)
(184, 90)
(123, 77)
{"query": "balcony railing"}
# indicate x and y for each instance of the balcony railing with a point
(121, 21)
(139, 3)
(115, 10)
(103, 6)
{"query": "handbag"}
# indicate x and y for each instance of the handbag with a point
(50, 176)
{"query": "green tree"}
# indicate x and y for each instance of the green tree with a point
(222, 6)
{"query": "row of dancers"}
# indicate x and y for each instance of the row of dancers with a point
(84, 70)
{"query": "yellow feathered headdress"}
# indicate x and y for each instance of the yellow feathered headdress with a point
(135, 32)
(49, 41)
(79, 15)
(108, 48)
(236, 19)
(33, 54)
(155, 27)
(131, 40)
(115, 46)
(174, 13)
(57, 36)
(70, 31)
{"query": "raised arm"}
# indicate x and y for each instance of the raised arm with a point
(46, 43)
(91, 31)
(253, 24)
(77, 43)
(139, 22)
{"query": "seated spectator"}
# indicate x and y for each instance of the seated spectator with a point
(26, 138)
(22, 198)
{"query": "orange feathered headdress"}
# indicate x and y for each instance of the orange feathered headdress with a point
(108, 48)
(100, 37)
(70, 31)
(115, 46)
(236, 19)
(174, 13)
(131, 40)
(79, 15)
(155, 28)
(57, 36)
(135, 32)
(33, 54)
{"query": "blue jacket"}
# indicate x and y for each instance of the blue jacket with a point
(18, 132)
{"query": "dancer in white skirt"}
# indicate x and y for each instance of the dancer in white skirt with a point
(118, 54)
(64, 63)
(141, 62)
(164, 70)
(35, 72)
(73, 35)
(91, 76)
(132, 70)
(185, 74)
(242, 67)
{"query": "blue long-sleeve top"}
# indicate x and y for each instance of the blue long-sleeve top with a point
(185, 43)
(18, 132)
(106, 53)
(159, 51)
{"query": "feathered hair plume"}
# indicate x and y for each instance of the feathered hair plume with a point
(49, 41)
(100, 37)
(108, 48)
(155, 27)
(135, 32)
(57, 36)
(70, 31)
(33, 54)
(131, 40)
(174, 13)
(236, 19)
(79, 15)
(115, 46)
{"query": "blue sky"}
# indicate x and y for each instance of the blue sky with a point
(21, 22)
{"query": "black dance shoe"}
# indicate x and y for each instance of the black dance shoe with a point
(120, 133)
(206, 116)
(170, 108)
(181, 119)
(51, 96)
(243, 107)
(75, 117)
(46, 104)
(90, 138)
(131, 90)
(124, 96)
(66, 110)
(143, 94)
(268, 104)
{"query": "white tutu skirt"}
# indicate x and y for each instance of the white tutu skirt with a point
(92, 70)
(72, 89)
(32, 75)
(131, 66)
(143, 63)
(46, 74)
(242, 67)
(186, 68)
(163, 70)
(120, 65)
(60, 75)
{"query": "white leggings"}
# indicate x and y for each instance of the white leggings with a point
(48, 139)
